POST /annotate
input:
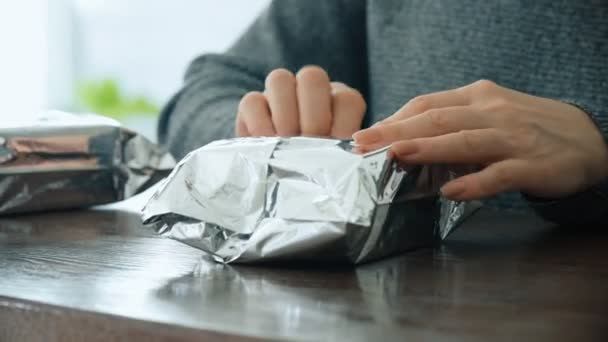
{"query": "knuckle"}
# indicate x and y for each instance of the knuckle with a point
(353, 99)
(240, 126)
(280, 77)
(484, 89)
(344, 96)
(338, 86)
(251, 101)
(420, 103)
(485, 86)
(472, 141)
(438, 120)
(359, 102)
(312, 74)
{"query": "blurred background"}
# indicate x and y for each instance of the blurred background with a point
(123, 59)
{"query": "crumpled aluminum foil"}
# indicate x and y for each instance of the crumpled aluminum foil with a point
(268, 199)
(59, 160)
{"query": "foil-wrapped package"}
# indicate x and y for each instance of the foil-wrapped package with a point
(59, 160)
(268, 199)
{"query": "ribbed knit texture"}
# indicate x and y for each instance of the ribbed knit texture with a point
(393, 50)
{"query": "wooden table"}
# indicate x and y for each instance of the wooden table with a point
(100, 276)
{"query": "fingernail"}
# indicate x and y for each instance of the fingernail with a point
(367, 136)
(453, 189)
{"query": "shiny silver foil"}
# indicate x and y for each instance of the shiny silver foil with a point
(269, 199)
(59, 160)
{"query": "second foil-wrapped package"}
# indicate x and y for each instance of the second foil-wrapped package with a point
(59, 160)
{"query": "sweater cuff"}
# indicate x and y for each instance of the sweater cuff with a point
(586, 207)
(598, 116)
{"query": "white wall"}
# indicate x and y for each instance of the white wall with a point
(61, 53)
(23, 58)
(48, 44)
(148, 44)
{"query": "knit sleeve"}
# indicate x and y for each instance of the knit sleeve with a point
(288, 34)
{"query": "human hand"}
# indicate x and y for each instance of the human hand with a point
(304, 104)
(539, 146)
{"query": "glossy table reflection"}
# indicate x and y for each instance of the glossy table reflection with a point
(100, 276)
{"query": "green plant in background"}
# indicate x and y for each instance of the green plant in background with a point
(105, 97)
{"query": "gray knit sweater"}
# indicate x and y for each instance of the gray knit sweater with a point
(393, 50)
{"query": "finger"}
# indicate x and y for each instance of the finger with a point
(420, 104)
(369, 148)
(347, 107)
(255, 114)
(431, 123)
(482, 146)
(240, 127)
(282, 100)
(492, 180)
(314, 101)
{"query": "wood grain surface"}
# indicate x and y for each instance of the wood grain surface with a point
(101, 276)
